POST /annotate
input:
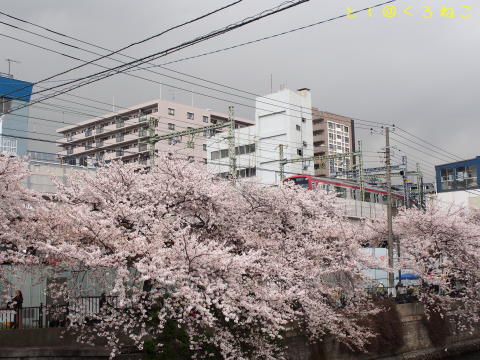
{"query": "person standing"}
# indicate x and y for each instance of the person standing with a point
(17, 303)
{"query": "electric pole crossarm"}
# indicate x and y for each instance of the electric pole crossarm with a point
(191, 131)
(321, 158)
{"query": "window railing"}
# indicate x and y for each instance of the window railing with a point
(88, 133)
(70, 151)
(119, 138)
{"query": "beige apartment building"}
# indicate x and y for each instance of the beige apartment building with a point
(121, 135)
(332, 134)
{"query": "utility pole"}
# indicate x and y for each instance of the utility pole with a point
(389, 207)
(360, 171)
(281, 155)
(421, 195)
(151, 140)
(231, 145)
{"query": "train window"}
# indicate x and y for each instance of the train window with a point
(302, 181)
(367, 196)
(341, 192)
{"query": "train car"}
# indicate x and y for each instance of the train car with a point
(346, 189)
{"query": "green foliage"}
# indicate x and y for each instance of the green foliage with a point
(175, 344)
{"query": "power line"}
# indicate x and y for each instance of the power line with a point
(122, 68)
(251, 93)
(124, 48)
(280, 34)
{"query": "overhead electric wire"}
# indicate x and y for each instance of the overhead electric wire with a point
(125, 47)
(201, 93)
(178, 71)
(121, 68)
(279, 34)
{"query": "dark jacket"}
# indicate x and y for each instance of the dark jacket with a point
(17, 302)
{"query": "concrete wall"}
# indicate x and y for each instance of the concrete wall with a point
(417, 344)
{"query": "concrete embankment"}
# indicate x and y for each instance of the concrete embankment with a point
(417, 342)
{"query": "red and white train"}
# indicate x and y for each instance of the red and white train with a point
(347, 189)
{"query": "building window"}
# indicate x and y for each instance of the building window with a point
(215, 155)
(298, 127)
(205, 119)
(318, 132)
(347, 139)
(317, 121)
(204, 160)
(471, 176)
(345, 128)
(330, 125)
(339, 127)
(447, 179)
(299, 152)
(304, 120)
(171, 111)
(120, 123)
(204, 147)
(190, 116)
(224, 153)
(331, 136)
(319, 143)
(339, 137)
(171, 126)
(174, 140)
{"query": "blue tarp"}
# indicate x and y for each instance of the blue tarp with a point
(408, 276)
(15, 89)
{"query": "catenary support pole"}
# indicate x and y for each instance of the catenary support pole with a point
(389, 207)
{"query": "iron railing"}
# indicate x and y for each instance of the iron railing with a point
(55, 315)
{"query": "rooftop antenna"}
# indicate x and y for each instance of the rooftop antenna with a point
(10, 61)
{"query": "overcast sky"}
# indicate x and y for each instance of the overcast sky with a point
(420, 74)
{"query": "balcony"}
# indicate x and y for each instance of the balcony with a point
(128, 124)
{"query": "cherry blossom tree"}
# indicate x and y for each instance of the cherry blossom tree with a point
(442, 245)
(234, 267)
(17, 211)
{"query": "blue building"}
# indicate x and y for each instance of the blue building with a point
(14, 126)
(458, 176)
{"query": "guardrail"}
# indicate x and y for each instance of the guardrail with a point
(44, 316)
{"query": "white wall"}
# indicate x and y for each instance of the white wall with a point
(459, 198)
(276, 123)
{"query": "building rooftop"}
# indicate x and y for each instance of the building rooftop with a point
(11, 88)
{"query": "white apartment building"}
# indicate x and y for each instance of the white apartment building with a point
(282, 118)
(121, 135)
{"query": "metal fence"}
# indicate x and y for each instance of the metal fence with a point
(53, 316)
